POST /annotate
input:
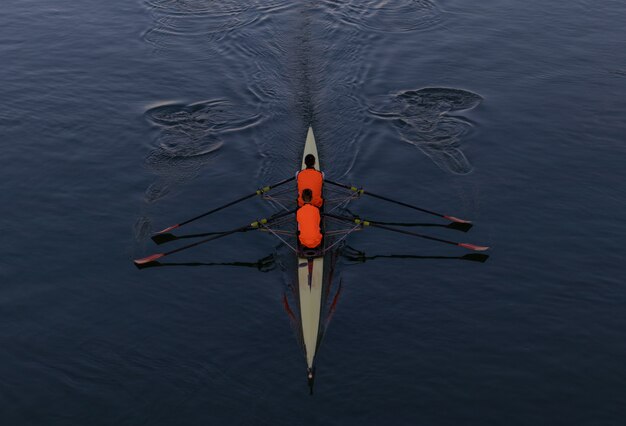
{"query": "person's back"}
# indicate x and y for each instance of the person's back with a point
(312, 179)
(308, 217)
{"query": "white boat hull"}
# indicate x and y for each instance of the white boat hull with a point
(310, 282)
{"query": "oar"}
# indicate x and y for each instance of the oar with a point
(259, 224)
(401, 231)
(264, 265)
(474, 257)
(457, 226)
(167, 237)
(362, 191)
(239, 200)
(153, 257)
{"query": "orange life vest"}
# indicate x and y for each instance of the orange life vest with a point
(308, 217)
(313, 180)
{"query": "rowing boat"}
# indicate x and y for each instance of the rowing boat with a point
(313, 271)
(310, 283)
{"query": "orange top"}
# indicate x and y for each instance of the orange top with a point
(308, 217)
(313, 180)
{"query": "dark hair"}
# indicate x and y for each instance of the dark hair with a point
(309, 160)
(307, 195)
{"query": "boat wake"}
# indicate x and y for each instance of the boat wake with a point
(200, 27)
(387, 16)
(423, 118)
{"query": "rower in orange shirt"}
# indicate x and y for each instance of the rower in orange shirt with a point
(312, 179)
(308, 217)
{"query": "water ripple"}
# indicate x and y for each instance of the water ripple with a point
(386, 15)
(184, 25)
(189, 134)
(422, 118)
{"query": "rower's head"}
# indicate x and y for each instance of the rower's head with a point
(309, 161)
(307, 195)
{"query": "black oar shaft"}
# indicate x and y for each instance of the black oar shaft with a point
(204, 234)
(415, 234)
(401, 203)
(254, 225)
(140, 262)
(232, 203)
(389, 228)
(168, 237)
(463, 227)
(215, 210)
(206, 240)
(474, 257)
(402, 231)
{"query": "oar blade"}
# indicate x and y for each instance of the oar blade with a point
(163, 238)
(475, 257)
(149, 265)
(473, 247)
(148, 259)
(460, 226)
(456, 219)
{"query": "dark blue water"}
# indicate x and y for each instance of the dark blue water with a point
(119, 118)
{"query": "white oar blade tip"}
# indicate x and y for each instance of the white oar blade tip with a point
(473, 247)
(148, 259)
(457, 220)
